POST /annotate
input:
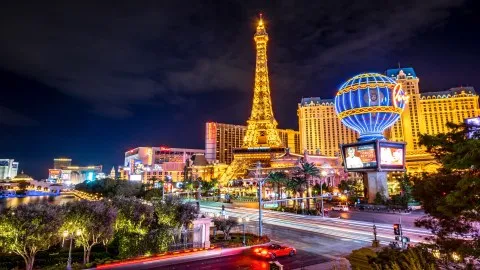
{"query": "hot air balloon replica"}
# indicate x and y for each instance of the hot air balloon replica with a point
(370, 103)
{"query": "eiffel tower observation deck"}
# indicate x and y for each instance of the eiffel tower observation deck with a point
(262, 141)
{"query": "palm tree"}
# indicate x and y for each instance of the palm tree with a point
(297, 186)
(277, 179)
(307, 171)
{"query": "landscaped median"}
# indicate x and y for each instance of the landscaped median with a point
(175, 257)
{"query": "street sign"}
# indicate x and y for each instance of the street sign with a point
(270, 205)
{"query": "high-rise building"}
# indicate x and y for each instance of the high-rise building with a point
(321, 131)
(221, 139)
(59, 163)
(8, 169)
(454, 105)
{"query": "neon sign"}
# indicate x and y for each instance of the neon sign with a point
(399, 95)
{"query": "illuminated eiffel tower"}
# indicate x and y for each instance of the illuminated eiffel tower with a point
(261, 142)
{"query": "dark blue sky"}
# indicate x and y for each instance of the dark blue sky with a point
(89, 80)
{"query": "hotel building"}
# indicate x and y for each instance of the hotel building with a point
(64, 172)
(426, 113)
(143, 163)
(221, 139)
(321, 131)
(8, 169)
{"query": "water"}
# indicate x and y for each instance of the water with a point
(14, 202)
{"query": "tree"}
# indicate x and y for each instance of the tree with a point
(30, 228)
(211, 185)
(417, 258)
(133, 225)
(111, 187)
(297, 186)
(23, 185)
(225, 225)
(450, 197)
(307, 171)
(174, 214)
(278, 179)
(93, 220)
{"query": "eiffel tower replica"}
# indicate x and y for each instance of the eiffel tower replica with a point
(261, 142)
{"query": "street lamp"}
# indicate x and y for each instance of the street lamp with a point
(69, 235)
(324, 174)
(244, 221)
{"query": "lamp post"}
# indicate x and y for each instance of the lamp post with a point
(244, 221)
(324, 174)
(67, 234)
(260, 183)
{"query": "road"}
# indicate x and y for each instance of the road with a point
(247, 261)
(333, 227)
(312, 249)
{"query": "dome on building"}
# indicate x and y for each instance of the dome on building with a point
(22, 177)
(369, 103)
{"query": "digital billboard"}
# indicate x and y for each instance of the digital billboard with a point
(358, 157)
(473, 126)
(392, 156)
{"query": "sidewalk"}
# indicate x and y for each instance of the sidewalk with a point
(336, 264)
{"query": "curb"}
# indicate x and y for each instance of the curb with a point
(198, 256)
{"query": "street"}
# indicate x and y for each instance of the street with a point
(339, 228)
(311, 248)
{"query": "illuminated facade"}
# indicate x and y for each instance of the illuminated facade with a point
(144, 163)
(8, 169)
(221, 139)
(261, 126)
(65, 172)
(321, 131)
(428, 113)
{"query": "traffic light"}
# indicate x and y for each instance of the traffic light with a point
(397, 229)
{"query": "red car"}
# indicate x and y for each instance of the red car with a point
(274, 251)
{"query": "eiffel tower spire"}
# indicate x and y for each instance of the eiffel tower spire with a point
(262, 126)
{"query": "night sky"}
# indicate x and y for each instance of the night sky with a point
(91, 80)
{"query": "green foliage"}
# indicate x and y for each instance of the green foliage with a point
(154, 193)
(453, 149)
(417, 258)
(211, 185)
(225, 225)
(91, 223)
(450, 197)
(111, 187)
(30, 228)
(379, 198)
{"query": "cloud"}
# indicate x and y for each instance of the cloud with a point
(12, 118)
(114, 58)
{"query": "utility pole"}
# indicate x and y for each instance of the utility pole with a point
(260, 183)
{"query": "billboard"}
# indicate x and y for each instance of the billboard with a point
(392, 156)
(473, 126)
(374, 156)
(135, 177)
(360, 157)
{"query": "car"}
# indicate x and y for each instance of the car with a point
(273, 251)
(340, 207)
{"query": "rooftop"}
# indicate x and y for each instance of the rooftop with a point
(393, 73)
(315, 101)
(469, 90)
